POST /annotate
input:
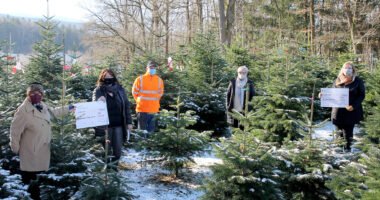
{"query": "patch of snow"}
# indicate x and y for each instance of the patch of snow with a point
(326, 132)
(264, 180)
(59, 177)
(341, 162)
(327, 167)
(142, 177)
(207, 159)
(4, 172)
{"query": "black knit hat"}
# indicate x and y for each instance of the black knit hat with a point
(151, 63)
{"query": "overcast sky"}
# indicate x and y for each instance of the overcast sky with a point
(68, 10)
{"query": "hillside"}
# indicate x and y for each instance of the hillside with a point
(24, 32)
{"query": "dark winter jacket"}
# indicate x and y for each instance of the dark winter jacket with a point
(121, 96)
(341, 116)
(231, 95)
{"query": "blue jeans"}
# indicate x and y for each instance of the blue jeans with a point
(115, 135)
(146, 122)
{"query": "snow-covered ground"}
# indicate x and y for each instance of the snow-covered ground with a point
(150, 182)
(326, 132)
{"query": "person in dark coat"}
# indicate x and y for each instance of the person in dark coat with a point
(118, 107)
(345, 118)
(236, 94)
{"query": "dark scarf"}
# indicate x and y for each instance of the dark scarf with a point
(38, 106)
(114, 89)
(111, 88)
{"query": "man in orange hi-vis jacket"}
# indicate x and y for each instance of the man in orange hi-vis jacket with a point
(147, 91)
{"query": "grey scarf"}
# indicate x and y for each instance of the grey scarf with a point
(239, 94)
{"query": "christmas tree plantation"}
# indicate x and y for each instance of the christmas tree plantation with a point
(175, 144)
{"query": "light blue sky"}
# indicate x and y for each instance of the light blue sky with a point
(67, 10)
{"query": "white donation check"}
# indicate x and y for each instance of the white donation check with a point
(91, 114)
(334, 97)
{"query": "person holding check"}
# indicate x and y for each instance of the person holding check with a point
(109, 90)
(31, 133)
(345, 119)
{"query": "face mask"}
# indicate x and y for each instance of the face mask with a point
(109, 81)
(242, 76)
(347, 72)
(35, 99)
(152, 71)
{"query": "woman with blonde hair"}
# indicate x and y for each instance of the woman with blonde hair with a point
(345, 118)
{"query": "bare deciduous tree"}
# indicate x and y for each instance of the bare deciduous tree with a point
(226, 21)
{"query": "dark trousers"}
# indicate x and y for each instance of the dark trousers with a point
(346, 131)
(30, 178)
(237, 124)
(115, 135)
(146, 122)
(233, 124)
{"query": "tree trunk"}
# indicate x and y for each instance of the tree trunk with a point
(306, 18)
(351, 23)
(200, 14)
(167, 28)
(129, 48)
(142, 21)
(312, 26)
(230, 21)
(222, 22)
(155, 25)
(321, 26)
(188, 19)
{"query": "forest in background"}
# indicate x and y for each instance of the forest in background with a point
(292, 48)
(325, 28)
(24, 32)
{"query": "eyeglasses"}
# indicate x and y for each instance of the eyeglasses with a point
(242, 72)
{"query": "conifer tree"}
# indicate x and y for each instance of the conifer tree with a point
(273, 117)
(371, 185)
(12, 93)
(206, 81)
(247, 172)
(303, 176)
(70, 158)
(306, 123)
(81, 85)
(249, 168)
(99, 187)
(12, 186)
(207, 62)
(45, 63)
(104, 181)
(175, 143)
(372, 108)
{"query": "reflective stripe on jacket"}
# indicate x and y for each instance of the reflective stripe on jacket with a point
(147, 91)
